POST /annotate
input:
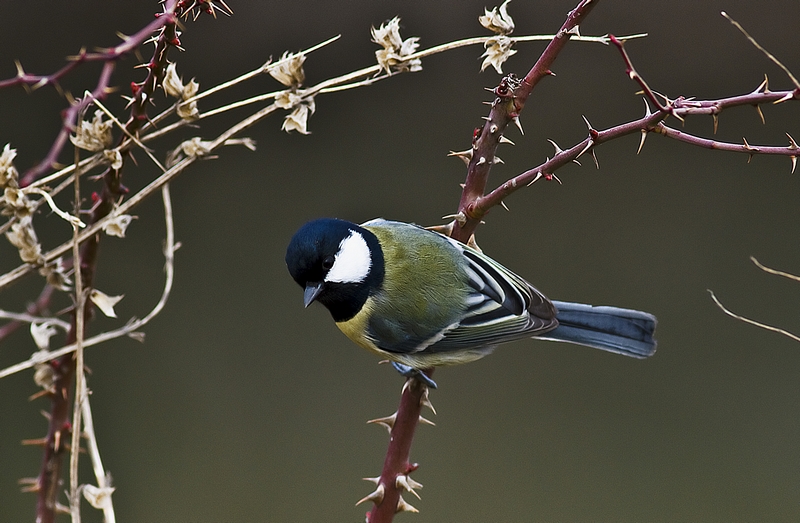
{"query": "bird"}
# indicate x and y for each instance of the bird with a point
(421, 299)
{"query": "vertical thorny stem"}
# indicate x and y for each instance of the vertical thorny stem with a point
(60, 428)
(511, 96)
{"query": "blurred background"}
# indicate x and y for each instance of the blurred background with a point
(242, 406)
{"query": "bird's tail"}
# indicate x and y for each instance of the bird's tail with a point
(623, 331)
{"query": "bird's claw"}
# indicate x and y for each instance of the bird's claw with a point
(412, 373)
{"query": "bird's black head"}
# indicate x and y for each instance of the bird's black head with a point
(337, 263)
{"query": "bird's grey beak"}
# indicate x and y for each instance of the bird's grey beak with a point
(312, 291)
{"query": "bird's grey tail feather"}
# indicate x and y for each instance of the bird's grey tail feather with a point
(622, 331)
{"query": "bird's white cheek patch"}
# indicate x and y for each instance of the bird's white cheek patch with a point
(353, 261)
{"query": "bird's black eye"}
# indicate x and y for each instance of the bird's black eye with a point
(327, 262)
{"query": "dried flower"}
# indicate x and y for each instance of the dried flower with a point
(93, 136)
(56, 275)
(189, 111)
(172, 84)
(22, 236)
(395, 50)
(117, 223)
(289, 70)
(105, 302)
(41, 333)
(7, 170)
(297, 120)
(287, 99)
(498, 50)
(44, 376)
(98, 497)
(114, 158)
(498, 20)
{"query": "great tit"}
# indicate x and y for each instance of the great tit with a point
(422, 299)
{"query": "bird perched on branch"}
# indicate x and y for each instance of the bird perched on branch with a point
(421, 299)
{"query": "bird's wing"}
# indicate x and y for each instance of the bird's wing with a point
(501, 307)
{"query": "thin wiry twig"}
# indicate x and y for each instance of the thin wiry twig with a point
(752, 322)
(758, 46)
(131, 328)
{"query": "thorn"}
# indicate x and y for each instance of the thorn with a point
(497, 159)
(57, 441)
(481, 160)
(503, 139)
(376, 496)
(586, 121)
(788, 96)
(792, 143)
(504, 205)
(425, 400)
(747, 146)
(576, 161)
(29, 484)
(794, 163)
(493, 128)
(596, 163)
(404, 506)
(519, 125)
(760, 114)
(485, 118)
(487, 103)
(424, 421)
(471, 242)
(558, 149)
(647, 111)
(556, 178)
(41, 442)
(466, 156)
(641, 142)
(716, 122)
(588, 146)
(763, 85)
(387, 422)
(407, 484)
(536, 179)
(460, 217)
(46, 415)
(374, 480)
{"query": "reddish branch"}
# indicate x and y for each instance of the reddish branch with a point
(388, 492)
(510, 101)
(48, 484)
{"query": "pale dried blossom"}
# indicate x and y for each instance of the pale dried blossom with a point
(98, 497)
(498, 20)
(16, 201)
(93, 136)
(189, 148)
(393, 56)
(22, 236)
(41, 333)
(287, 99)
(114, 158)
(498, 50)
(105, 302)
(56, 275)
(44, 375)
(289, 69)
(189, 111)
(172, 83)
(297, 120)
(117, 223)
(7, 170)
